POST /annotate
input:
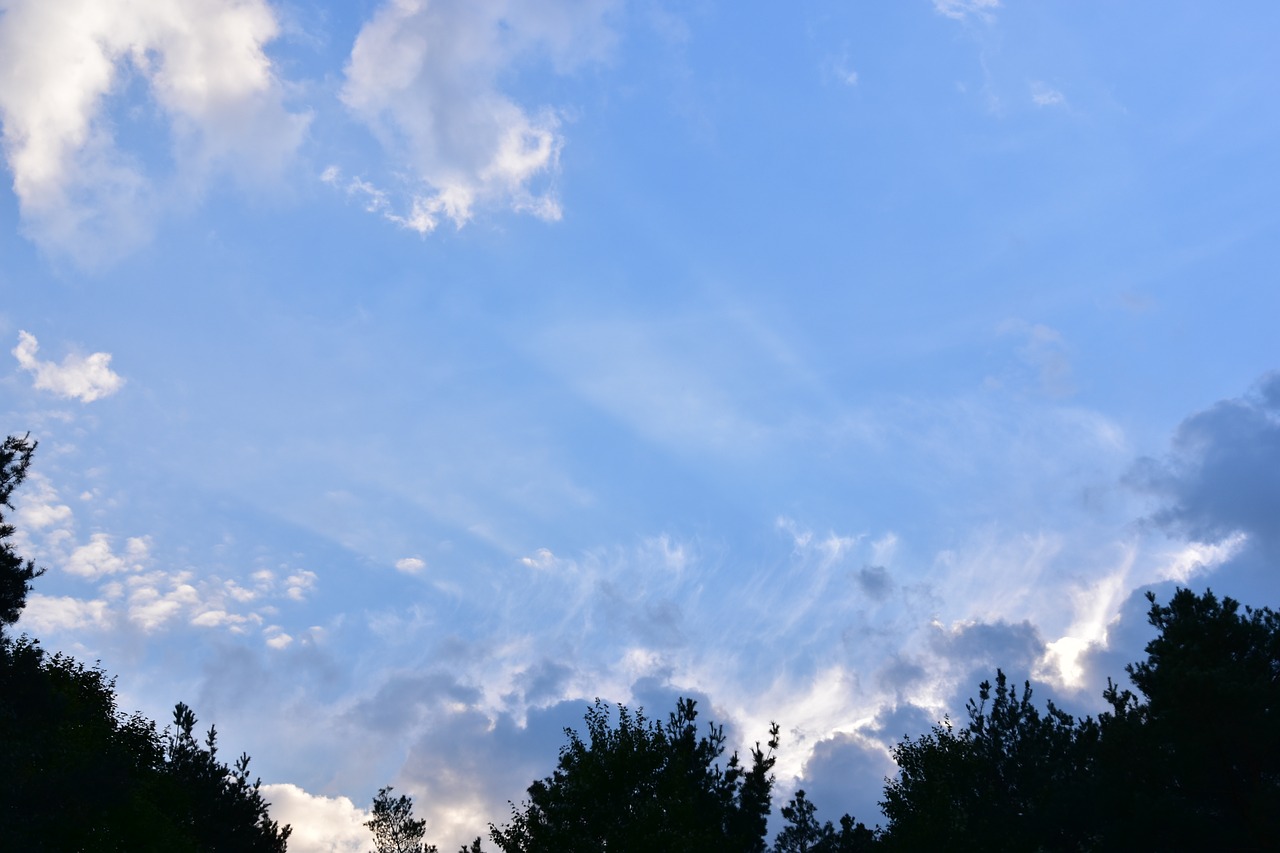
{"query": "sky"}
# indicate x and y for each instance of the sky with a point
(409, 373)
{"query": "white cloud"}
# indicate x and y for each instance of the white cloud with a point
(86, 378)
(961, 9)
(320, 824)
(203, 66)
(1045, 96)
(411, 565)
(152, 607)
(97, 558)
(46, 613)
(424, 74)
(299, 584)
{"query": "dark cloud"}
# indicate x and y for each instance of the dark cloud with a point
(543, 681)
(894, 723)
(875, 582)
(988, 645)
(404, 699)
(1223, 473)
(899, 674)
(845, 774)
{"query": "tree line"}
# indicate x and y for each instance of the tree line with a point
(1188, 759)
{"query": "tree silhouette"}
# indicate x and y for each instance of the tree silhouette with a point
(393, 825)
(638, 785)
(16, 574)
(77, 774)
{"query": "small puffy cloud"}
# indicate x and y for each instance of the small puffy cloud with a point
(299, 584)
(542, 559)
(85, 378)
(204, 72)
(411, 565)
(962, 9)
(97, 559)
(320, 824)
(425, 76)
(159, 598)
(1043, 95)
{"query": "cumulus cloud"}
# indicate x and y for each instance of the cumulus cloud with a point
(97, 558)
(425, 75)
(85, 378)
(320, 824)
(47, 613)
(203, 68)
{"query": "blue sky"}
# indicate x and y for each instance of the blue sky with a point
(408, 374)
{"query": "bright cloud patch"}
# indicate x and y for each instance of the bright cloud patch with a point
(425, 76)
(86, 378)
(411, 565)
(203, 66)
(320, 824)
(97, 558)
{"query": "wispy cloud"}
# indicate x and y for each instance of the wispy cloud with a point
(1043, 95)
(85, 378)
(962, 9)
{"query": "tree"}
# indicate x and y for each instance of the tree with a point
(803, 833)
(1012, 779)
(638, 785)
(393, 825)
(77, 774)
(1195, 755)
(16, 574)
(1191, 761)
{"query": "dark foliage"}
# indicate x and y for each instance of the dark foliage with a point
(394, 828)
(643, 786)
(16, 574)
(803, 833)
(1189, 762)
(1194, 757)
(76, 774)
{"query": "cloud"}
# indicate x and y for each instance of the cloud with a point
(845, 774)
(1222, 475)
(86, 378)
(97, 559)
(45, 613)
(1044, 96)
(320, 824)
(963, 9)
(411, 565)
(202, 67)
(1044, 358)
(424, 74)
